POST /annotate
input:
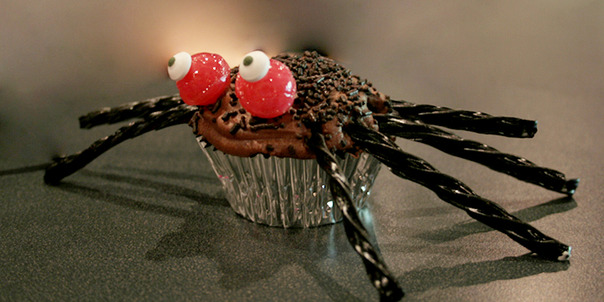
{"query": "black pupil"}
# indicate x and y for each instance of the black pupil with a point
(248, 60)
(171, 62)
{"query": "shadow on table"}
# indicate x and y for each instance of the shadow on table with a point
(246, 252)
(473, 227)
(161, 186)
(24, 169)
(475, 273)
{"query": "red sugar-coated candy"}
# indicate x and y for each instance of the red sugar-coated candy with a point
(206, 81)
(270, 96)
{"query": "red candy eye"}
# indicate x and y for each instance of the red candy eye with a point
(201, 78)
(270, 88)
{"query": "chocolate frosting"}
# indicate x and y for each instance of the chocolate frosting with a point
(328, 96)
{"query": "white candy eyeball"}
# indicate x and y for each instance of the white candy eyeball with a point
(179, 65)
(254, 66)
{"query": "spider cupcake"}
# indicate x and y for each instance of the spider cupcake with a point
(297, 140)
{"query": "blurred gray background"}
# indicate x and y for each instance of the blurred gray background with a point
(60, 59)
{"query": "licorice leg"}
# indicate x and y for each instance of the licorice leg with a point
(65, 166)
(357, 235)
(450, 143)
(478, 122)
(456, 193)
(128, 111)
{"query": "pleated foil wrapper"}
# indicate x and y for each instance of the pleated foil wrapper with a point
(288, 192)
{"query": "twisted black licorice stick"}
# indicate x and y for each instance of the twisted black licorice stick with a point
(128, 111)
(515, 166)
(466, 120)
(357, 235)
(456, 193)
(66, 166)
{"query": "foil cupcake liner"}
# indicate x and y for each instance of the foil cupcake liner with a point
(288, 192)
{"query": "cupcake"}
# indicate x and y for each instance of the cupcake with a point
(270, 127)
(253, 123)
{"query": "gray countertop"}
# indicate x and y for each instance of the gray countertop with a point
(148, 221)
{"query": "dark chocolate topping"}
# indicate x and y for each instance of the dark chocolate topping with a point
(328, 97)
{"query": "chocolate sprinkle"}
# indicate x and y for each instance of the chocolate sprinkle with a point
(228, 115)
(216, 106)
(263, 126)
(235, 128)
(291, 150)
